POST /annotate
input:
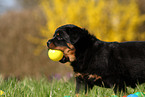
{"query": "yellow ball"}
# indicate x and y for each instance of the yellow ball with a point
(55, 55)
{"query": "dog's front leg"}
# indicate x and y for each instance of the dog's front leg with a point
(80, 85)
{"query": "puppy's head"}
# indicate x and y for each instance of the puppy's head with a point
(64, 39)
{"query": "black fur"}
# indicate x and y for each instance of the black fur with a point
(118, 64)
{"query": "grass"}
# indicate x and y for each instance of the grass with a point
(29, 87)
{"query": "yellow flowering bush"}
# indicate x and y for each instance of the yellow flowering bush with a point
(108, 20)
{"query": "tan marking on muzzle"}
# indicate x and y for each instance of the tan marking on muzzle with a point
(67, 51)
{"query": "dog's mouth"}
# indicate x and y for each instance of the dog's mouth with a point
(64, 59)
(68, 51)
(68, 55)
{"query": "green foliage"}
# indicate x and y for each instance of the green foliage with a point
(29, 87)
(109, 20)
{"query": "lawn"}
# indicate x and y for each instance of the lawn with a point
(29, 87)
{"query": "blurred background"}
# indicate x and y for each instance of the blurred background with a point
(26, 25)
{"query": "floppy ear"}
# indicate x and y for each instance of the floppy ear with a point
(72, 38)
(70, 33)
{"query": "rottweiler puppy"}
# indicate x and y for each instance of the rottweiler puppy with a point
(95, 62)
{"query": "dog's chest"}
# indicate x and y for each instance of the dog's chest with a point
(88, 77)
